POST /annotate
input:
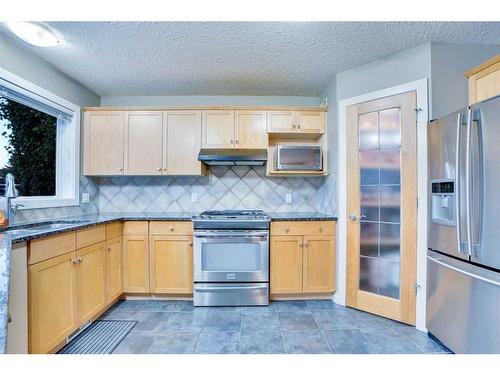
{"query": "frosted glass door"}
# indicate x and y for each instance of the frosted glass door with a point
(380, 202)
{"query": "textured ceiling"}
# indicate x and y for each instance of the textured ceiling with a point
(235, 58)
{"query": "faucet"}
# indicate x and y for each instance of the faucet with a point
(10, 194)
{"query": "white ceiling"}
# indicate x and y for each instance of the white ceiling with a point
(235, 58)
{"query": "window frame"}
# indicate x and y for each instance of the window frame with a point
(67, 145)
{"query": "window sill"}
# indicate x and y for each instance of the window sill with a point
(30, 203)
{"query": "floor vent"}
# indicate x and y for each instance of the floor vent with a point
(101, 337)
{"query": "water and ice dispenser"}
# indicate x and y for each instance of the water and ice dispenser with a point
(443, 202)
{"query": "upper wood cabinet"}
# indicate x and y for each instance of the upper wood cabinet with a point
(103, 143)
(250, 129)
(296, 122)
(484, 80)
(143, 143)
(217, 129)
(183, 140)
(234, 129)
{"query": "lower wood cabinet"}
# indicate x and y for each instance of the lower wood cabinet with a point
(114, 283)
(135, 263)
(52, 301)
(91, 281)
(302, 263)
(171, 268)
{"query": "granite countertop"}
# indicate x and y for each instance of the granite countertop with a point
(7, 238)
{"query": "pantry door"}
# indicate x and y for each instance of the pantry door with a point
(382, 206)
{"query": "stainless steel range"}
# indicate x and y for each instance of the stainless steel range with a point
(231, 258)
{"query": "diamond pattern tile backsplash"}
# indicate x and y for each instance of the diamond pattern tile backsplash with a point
(222, 188)
(87, 185)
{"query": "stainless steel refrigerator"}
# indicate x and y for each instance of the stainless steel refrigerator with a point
(463, 260)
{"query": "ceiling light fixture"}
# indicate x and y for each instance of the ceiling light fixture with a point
(34, 33)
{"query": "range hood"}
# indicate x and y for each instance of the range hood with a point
(233, 156)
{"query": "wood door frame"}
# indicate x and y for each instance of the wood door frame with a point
(420, 87)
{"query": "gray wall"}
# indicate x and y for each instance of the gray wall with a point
(199, 100)
(22, 62)
(448, 64)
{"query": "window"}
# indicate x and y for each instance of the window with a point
(39, 143)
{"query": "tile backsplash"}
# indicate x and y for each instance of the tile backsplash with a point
(222, 188)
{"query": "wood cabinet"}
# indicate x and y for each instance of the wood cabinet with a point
(171, 254)
(217, 129)
(114, 284)
(234, 129)
(91, 281)
(171, 264)
(301, 261)
(52, 301)
(484, 80)
(183, 139)
(143, 150)
(250, 129)
(296, 122)
(135, 257)
(103, 143)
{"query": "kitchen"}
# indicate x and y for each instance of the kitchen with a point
(147, 210)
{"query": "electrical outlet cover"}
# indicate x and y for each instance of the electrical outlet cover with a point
(85, 198)
(288, 198)
(194, 197)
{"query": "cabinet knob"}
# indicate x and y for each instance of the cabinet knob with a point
(120, 168)
(74, 261)
(231, 141)
(293, 126)
(164, 169)
(109, 249)
(320, 229)
(301, 243)
(236, 141)
(287, 230)
(159, 169)
(298, 126)
(171, 229)
(190, 243)
(306, 243)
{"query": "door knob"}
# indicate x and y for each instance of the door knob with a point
(353, 217)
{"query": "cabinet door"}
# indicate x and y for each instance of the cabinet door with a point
(310, 122)
(52, 302)
(143, 143)
(280, 121)
(217, 129)
(319, 264)
(183, 140)
(114, 285)
(135, 264)
(91, 281)
(286, 264)
(171, 264)
(251, 129)
(103, 143)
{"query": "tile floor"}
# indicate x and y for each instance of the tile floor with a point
(283, 327)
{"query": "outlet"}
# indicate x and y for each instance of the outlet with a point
(288, 198)
(194, 197)
(85, 197)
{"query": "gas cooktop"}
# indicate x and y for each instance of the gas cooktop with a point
(231, 219)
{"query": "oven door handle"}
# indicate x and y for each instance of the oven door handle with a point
(262, 235)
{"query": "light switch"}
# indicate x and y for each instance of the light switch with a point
(85, 198)
(288, 198)
(194, 197)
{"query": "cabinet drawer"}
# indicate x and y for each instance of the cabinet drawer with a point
(135, 227)
(294, 228)
(46, 248)
(90, 236)
(114, 230)
(171, 227)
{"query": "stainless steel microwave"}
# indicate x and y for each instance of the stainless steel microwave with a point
(298, 158)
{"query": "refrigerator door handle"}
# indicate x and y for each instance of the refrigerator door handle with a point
(458, 213)
(468, 181)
